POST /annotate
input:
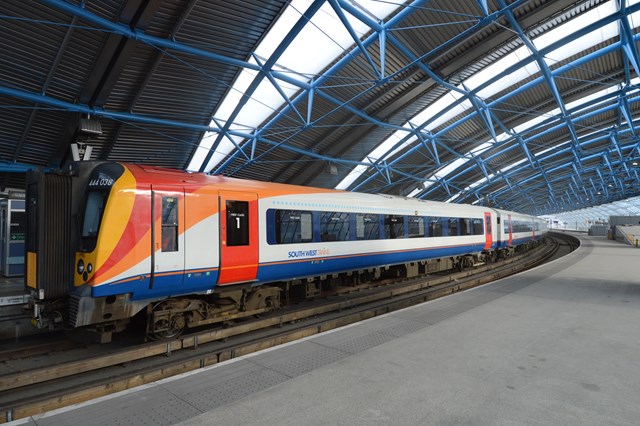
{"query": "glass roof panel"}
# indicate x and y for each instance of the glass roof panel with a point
(582, 219)
(477, 80)
(322, 40)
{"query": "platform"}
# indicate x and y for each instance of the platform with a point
(14, 321)
(12, 291)
(559, 344)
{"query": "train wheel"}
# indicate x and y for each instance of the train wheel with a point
(163, 324)
(270, 305)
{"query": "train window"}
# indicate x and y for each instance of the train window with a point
(453, 226)
(334, 226)
(367, 226)
(169, 224)
(93, 210)
(237, 223)
(393, 226)
(293, 226)
(415, 226)
(435, 227)
(478, 228)
(465, 226)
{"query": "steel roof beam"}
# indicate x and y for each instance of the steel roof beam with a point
(546, 72)
(379, 29)
(631, 147)
(587, 116)
(84, 109)
(483, 6)
(339, 12)
(158, 42)
(45, 87)
(344, 61)
(265, 69)
(523, 88)
(114, 54)
(15, 167)
(159, 55)
(254, 139)
(626, 38)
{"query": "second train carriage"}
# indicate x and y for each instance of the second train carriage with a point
(108, 240)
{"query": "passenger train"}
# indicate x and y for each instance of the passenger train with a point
(107, 241)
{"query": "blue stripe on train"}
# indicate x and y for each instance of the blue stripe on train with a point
(171, 284)
(323, 266)
(168, 284)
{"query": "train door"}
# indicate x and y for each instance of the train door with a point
(533, 230)
(488, 231)
(167, 237)
(510, 224)
(238, 237)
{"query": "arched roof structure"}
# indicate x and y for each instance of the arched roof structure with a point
(582, 219)
(528, 105)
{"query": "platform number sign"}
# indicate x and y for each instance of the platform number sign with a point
(237, 223)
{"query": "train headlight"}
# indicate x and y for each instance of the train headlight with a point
(80, 266)
(89, 268)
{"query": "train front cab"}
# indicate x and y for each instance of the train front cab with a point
(202, 237)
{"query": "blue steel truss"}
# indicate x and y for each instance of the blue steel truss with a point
(519, 171)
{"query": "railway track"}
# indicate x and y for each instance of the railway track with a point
(80, 374)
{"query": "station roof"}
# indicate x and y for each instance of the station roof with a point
(583, 219)
(526, 105)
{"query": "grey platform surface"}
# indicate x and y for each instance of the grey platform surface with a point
(558, 345)
(10, 289)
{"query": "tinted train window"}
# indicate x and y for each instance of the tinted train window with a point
(435, 227)
(465, 226)
(93, 210)
(393, 226)
(367, 226)
(237, 223)
(453, 227)
(94, 206)
(416, 226)
(169, 224)
(334, 226)
(293, 226)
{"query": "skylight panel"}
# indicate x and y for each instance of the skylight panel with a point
(584, 42)
(322, 40)
(382, 150)
(477, 80)
(487, 73)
